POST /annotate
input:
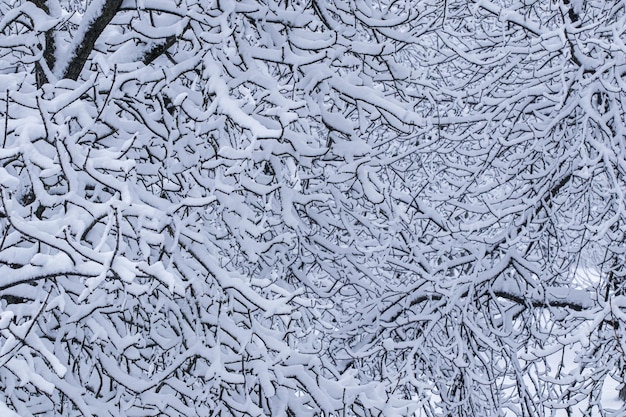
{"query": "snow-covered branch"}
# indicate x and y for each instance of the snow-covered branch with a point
(356, 208)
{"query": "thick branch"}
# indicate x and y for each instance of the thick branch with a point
(508, 289)
(571, 298)
(91, 34)
(49, 47)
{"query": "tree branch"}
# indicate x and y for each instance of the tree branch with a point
(510, 16)
(49, 47)
(158, 50)
(575, 299)
(91, 35)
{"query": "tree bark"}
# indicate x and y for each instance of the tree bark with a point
(93, 32)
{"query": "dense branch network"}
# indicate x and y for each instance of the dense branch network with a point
(340, 207)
